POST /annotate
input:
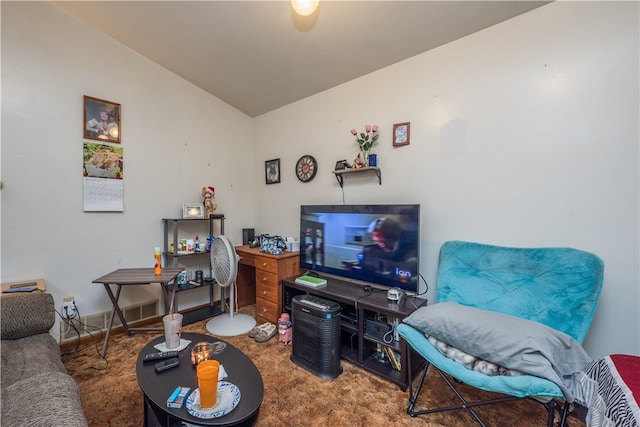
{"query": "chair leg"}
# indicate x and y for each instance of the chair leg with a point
(551, 414)
(565, 413)
(413, 396)
(563, 410)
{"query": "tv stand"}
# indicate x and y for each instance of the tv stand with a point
(365, 318)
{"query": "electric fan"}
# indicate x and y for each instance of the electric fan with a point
(224, 268)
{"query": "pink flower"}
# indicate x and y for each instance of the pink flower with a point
(366, 139)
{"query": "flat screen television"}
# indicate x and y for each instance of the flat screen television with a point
(374, 244)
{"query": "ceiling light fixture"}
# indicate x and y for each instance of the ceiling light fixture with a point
(305, 7)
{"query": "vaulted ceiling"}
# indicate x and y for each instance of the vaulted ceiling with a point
(259, 55)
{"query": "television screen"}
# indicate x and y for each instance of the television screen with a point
(375, 244)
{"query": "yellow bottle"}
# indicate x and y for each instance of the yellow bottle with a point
(158, 256)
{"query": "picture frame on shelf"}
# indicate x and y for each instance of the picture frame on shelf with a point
(192, 210)
(401, 134)
(272, 171)
(101, 120)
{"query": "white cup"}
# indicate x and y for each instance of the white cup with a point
(172, 330)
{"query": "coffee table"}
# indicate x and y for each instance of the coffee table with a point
(158, 386)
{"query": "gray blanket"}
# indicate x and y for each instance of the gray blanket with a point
(515, 343)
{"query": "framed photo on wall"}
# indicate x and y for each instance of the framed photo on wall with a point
(401, 134)
(272, 171)
(101, 120)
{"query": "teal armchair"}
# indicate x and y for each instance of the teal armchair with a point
(528, 308)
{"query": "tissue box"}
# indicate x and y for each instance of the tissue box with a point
(293, 244)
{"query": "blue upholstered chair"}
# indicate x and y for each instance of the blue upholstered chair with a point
(553, 289)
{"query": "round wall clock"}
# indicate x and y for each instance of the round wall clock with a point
(306, 168)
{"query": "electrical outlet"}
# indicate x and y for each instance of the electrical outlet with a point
(68, 308)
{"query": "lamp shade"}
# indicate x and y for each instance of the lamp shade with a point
(305, 7)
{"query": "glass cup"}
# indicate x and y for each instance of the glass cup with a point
(201, 351)
(207, 372)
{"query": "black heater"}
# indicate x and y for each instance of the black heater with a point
(316, 335)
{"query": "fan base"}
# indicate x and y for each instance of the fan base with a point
(226, 326)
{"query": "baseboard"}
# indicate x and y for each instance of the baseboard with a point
(119, 330)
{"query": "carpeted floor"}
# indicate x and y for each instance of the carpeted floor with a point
(292, 396)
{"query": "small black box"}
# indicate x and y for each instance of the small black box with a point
(248, 235)
(376, 328)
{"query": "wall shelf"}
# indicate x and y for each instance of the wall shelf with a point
(340, 174)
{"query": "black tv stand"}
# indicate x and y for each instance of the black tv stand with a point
(363, 343)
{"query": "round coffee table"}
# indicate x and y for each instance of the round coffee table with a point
(158, 386)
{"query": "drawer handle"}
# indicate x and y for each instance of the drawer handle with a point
(264, 292)
(264, 310)
(264, 264)
(264, 279)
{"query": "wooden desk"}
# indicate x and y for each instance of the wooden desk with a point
(259, 276)
(134, 276)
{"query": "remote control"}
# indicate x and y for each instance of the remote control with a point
(167, 364)
(152, 357)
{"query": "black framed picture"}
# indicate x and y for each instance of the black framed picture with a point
(272, 171)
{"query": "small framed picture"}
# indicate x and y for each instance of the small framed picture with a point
(101, 120)
(192, 210)
(401, 134)
(272, 171)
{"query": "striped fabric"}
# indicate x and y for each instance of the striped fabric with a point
(610, 387)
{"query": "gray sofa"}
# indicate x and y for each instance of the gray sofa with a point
(35, 387)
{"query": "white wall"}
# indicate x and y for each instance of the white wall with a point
(176, 139)
(525, 134)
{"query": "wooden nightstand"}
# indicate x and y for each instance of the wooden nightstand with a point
(263, 272)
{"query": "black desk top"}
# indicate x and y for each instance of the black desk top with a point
(240, 370)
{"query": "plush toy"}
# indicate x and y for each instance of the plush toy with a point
(209, 205)
(284, 329)
(358, 162)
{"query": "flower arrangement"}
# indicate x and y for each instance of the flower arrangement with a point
(366, 139)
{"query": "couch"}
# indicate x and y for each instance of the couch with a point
(35, 387)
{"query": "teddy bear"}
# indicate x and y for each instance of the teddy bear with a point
(358, 162)
(209, 205)
(285, 333)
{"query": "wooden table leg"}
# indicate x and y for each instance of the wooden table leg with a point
(116, 308)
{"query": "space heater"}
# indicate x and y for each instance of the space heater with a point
(316, 335)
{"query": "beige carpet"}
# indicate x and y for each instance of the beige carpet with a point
(292, 396)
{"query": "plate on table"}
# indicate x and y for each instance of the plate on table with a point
(228, 398)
